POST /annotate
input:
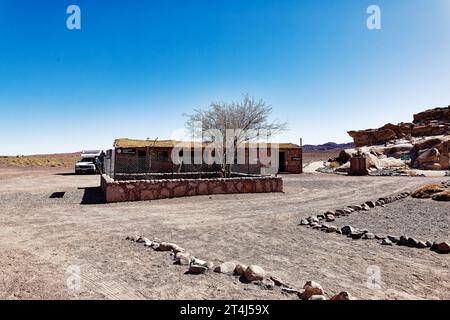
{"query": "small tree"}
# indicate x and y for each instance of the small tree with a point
(247, 118)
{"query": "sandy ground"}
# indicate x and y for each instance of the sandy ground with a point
(44, 239)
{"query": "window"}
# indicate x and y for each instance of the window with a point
(141, 153)
(163, 156)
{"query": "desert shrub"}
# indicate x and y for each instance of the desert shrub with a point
(427, 191)
(442, 196)
(334, 164)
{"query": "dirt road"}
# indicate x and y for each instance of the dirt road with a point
(53, 227)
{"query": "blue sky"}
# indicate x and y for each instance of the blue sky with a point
(135, 67)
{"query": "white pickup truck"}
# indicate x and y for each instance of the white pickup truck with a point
(87, 163)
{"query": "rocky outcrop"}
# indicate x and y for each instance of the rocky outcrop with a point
(424, 143)
(437, 114)
(373, 136)
(432, 122)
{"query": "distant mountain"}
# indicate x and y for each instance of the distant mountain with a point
(328, 146)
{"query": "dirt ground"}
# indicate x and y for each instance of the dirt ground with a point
(53, 224)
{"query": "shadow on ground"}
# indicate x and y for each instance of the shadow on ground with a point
(92, 195)
(57, 195)
(73, 174)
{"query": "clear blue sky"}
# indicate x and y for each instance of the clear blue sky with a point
(135, 67)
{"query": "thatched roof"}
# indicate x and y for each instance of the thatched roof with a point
(133, 143)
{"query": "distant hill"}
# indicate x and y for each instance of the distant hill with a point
(65, 160)
(329, 146)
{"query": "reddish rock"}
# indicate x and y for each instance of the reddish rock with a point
(443, 248)
(254, 273)
(341, 296)
(311, 288)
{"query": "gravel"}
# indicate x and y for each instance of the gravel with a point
(424, 219)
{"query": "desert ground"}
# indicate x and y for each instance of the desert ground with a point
(53, 222)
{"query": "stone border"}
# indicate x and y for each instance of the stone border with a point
(248, 274)
(315, 223)
(138, 190)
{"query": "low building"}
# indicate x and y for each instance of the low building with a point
(143, 156)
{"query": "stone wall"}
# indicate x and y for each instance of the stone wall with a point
(175, 175)
(138, 190)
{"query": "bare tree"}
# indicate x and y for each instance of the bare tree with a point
(247, 118)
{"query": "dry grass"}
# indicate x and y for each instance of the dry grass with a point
(427, 191)
(66, 160)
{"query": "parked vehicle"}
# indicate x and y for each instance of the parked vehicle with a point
(91, 162)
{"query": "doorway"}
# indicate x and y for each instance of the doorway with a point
(281, 162)
(142, 161)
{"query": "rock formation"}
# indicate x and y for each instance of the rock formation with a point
(424, 143)
(432, 122)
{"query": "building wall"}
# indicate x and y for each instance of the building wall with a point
(293, 160)
(159, 160)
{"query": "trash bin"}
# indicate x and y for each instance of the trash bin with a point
(358, 166)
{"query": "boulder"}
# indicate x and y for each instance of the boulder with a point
(371, 204)
(304, 222)
(347, 230)
(393, 239)
(314, 225)
(403, 241)
(310, 289)
(254, 273)
(154, 245)
(330, 218)
(197, 269)
(341, 296)
(148, 243)
(387, 242)
(427, 191)
(331, 229)
(372, 161)
(325, 226)
(368, 236)
(165, 246)
(421, 245)
(182, 259)
(345, 155)
(443, 248)
(356, 235)
(413, 243)
(442, 196)
(240, 269)
(226, 267)
(428, 160)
